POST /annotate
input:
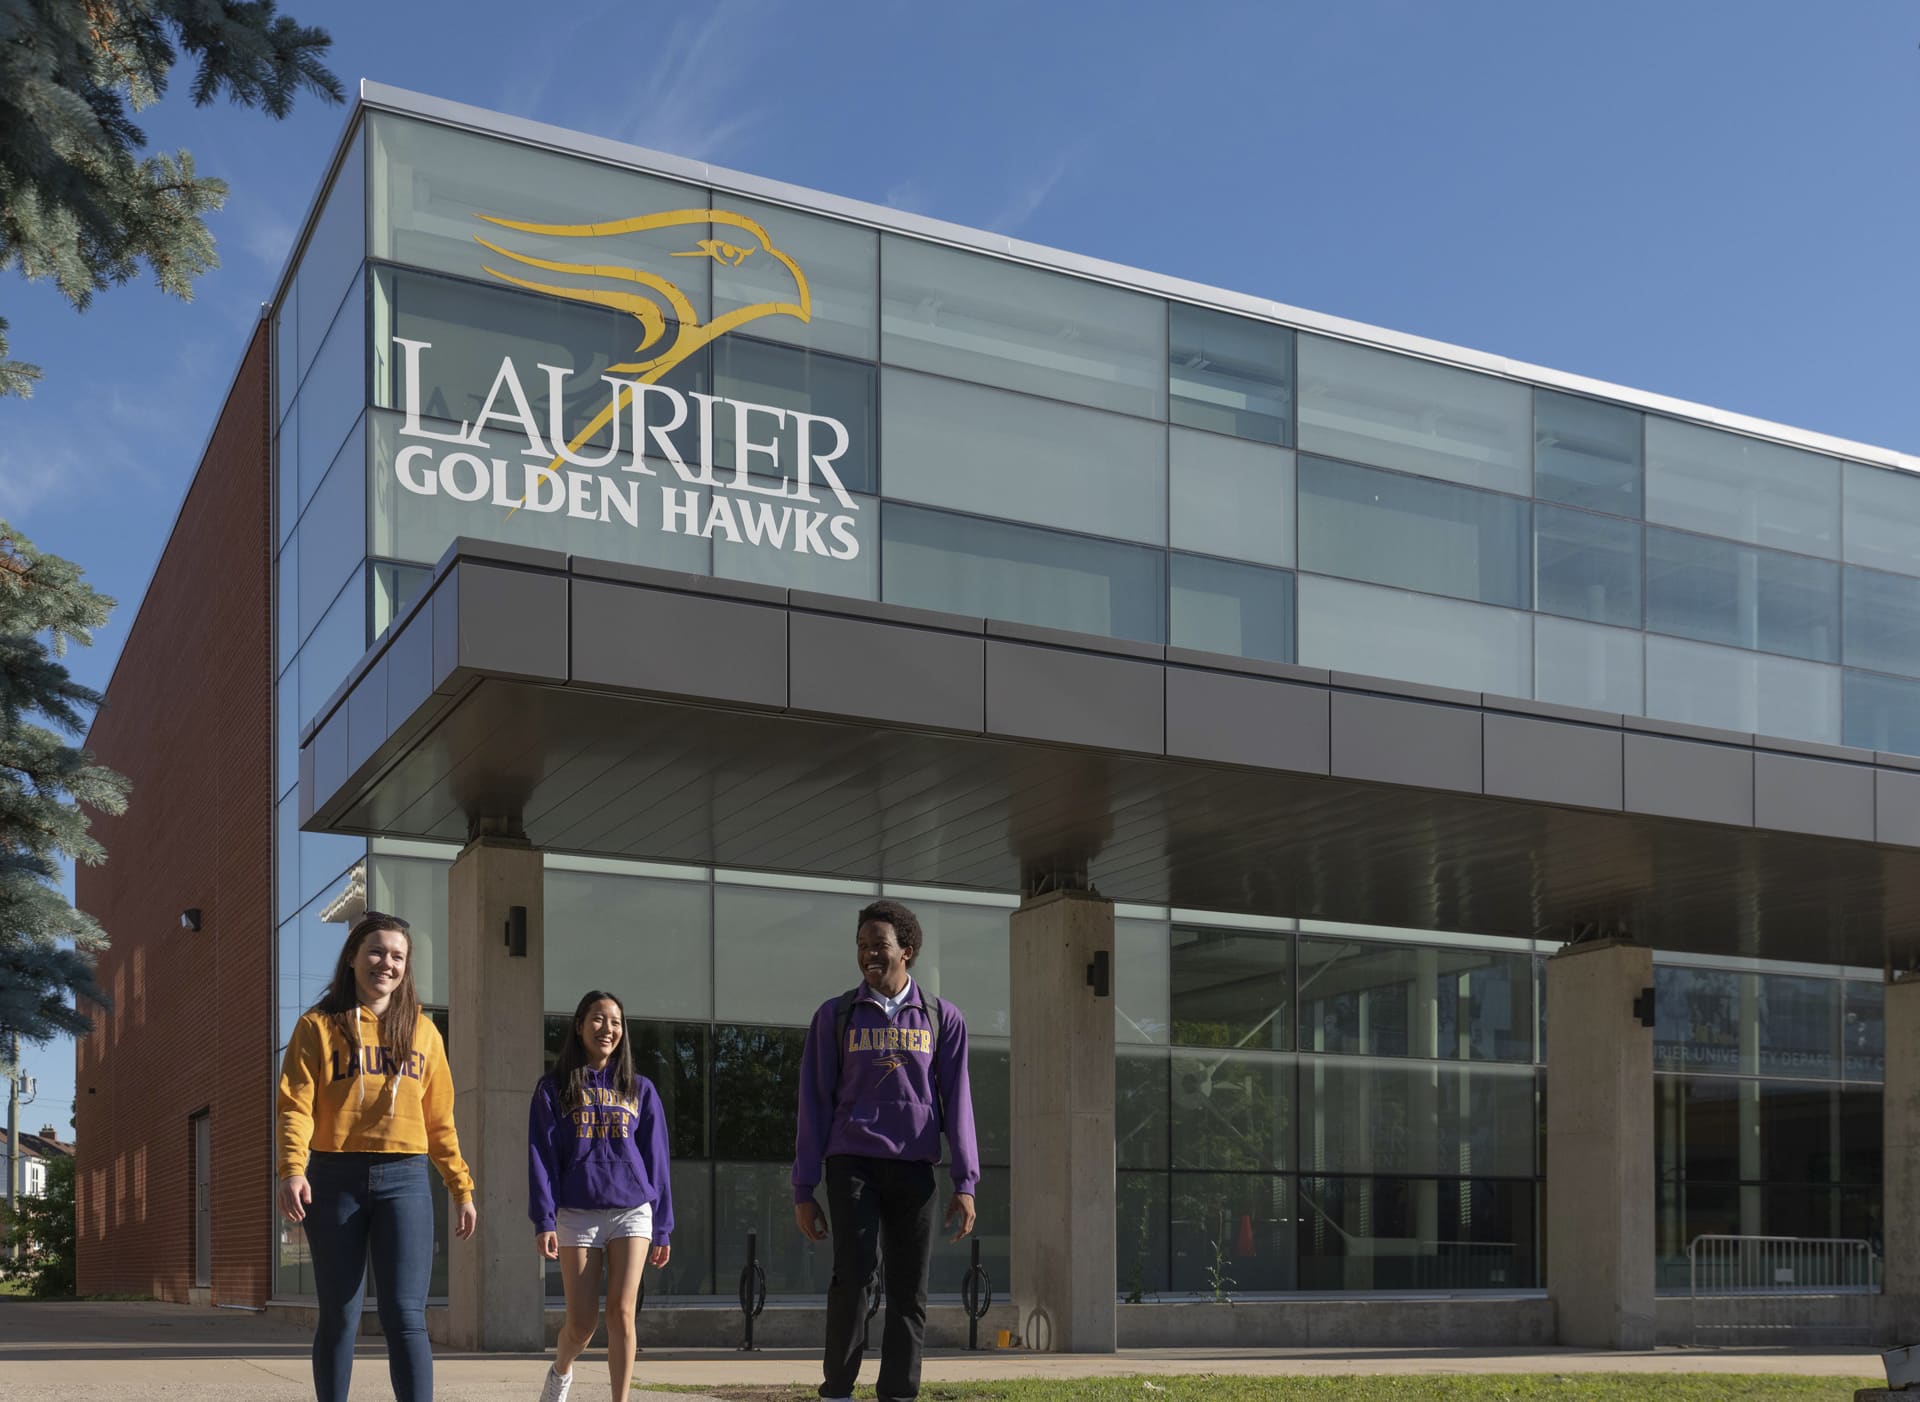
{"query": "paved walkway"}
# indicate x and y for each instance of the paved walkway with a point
(92, 1351)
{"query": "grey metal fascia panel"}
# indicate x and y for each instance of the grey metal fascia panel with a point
(654, 640)
(1550, 761)
(1793, 793)
(500, 620)
(409, 669)
(328, 750)
(1552, 710)
(1248, 666)
(1673, 778)
(1248, 720)
(366, 715)
(1075, 698)
(1420, 691)
(678, 581)
(499, 552)
(382, 97)
(1888, 760)
(1896, 808)
(1682, 730)
(1402, 741)
(847, 607)
(1082, 642)
(921, 677)
(1848, 753)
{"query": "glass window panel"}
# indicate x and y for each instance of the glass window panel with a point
(1799, 1025)
(1586, 566)
(416, 890)
(1581, 664)
(1141, 993)
(334, 395)
(1001, 323)
(433, 188)
(1415, 637)
(333, 533)
(758, 1198)
(1231, 988)
(1724, 484)
(286, 353)
(648, 941)
(996, 569)
(1401, 1234)
(987, 1079)
(1231, 1233)
(1721, 1020)
(756, 1091)
(1742, 691)
(1863, 1032)
(1586, 453)
(1374, 998)
(840, 263)
(1232, 1110)
(1882, 621)
(321, 938)
(286, 459)
(1230, 497)
(1230, 374)
(947, 1264)
(1377, 407)
(1862, 1136)
(286, 728)
(757, 373)
(1716, 592)
(1882, 713)
(1798, 1125)
(1416, 534)
(993, 453)
(1140, 1231)
(858, 578)
(395, 587)
(1882, 518)
(286, 856)
(1698, 1020)
(780, 953)
(1416, 1117)
(336, 644)
(325, 858)
(1239, 610)
(335, 249)
(286, 621)
(963, 958)
(1140, 1106)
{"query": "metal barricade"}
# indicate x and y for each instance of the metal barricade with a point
(1780, 1290)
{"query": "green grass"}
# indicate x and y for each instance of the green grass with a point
(1481, 1387)
(10, 1286)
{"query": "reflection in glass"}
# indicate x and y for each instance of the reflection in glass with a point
(802, 382)
(1724, 484)
(1417, 1234)
(1717, 592)
(1881, 713)
(1379, 1116)
(1882, 518)
(1231, 1233)
(1375, 998)
(1232, 1110)
(1882, 621)
(1583, 664)
(1140, 1099)
(1863, 1032)
(1229, 497)
(1742, 691)
(1390, 633)
(1586, 453)
(1586, 566)
(1238, 610)
(756, 1092)
(841, 264)
(1232, 988)
(1231, 374)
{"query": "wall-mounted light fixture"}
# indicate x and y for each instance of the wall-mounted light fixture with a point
(1643, 1007)
(1100, 974)
(517, 931)
(190, 918)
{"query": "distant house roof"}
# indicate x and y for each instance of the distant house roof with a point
(44, 1145)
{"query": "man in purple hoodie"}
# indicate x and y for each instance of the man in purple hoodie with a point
(883, 1073)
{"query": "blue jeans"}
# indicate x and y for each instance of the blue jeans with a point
(371, 1205)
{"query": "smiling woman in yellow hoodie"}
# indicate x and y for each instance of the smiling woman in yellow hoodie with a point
(365, 1100)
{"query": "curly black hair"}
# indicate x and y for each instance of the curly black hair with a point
(906, 925)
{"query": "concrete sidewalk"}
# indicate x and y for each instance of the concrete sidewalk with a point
(87, 1350)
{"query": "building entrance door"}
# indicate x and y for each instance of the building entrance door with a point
(202, 1200)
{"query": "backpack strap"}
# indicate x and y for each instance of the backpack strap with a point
(842, 1016)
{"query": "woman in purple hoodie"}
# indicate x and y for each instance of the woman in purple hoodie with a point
(598, 1183)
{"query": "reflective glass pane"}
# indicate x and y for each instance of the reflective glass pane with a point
(335, 249)
(1586, 453)
(286, 617)
(1415, 637)
(758, 1198)
(333, 534)
(781, 953)
(1412, 533)
(648, 941)
(1140, 1106)
(1375, 998)
(756, 1091)
(1230, 497)
(992, 453)
(1416, 1117)
(1799, 1025)
(1586, 566)
(1723, 484)
(1863, 1032)
(286, 352)
(1742, 691)
(1882, 621)
(434, 189)
(987, 1080)
(1232, 1110)
(964, 960)
(1141, 993)
(286, 856)
(1231, 1233)
(949, 1261)
(995, 569)
(1230, 374)
(1239, 610)
(759, 562)
(286, 465)
(1882, 713)
(415, 889)
(1882, 518)
(840, 263)
(395, 587)
(335, 392)
(1581, 664)
(1140, 1231)
(336, 644)
(286, 728)
(1232, 988)
(325, 858)
(1410, 1234)
(1862, 1135)
(1000, 323)
(1717, 592)
(1377, 407)
(801, 381)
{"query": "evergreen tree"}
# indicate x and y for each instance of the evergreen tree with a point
(80, 202)
(46, 786)
(44, 1233)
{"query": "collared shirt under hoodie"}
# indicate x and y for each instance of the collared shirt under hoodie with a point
(602, 1153)
(888, 1093)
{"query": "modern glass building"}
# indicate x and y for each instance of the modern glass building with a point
(1420, 665)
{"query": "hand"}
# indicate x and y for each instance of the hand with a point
(295, 1196)
(961, 1206)
(811, 1220)
(549, 1244)
(465, 1218)
(659, 1255)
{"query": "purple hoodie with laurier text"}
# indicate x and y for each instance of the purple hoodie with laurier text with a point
(875, 1097)
(604, 1153)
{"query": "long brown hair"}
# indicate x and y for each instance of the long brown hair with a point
(570, 1075)
(341, 1001)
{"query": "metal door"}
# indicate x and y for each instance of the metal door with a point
(202, 1201)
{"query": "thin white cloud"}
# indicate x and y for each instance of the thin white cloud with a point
(692, 101)
(1025, 202)
(907, 195)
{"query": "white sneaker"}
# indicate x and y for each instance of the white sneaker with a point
(556, 1387)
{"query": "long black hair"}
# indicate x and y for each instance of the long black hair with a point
(570, 1074)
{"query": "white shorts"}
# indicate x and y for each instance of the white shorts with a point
(589, 1226)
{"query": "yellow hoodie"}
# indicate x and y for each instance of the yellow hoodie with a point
(339, 1096)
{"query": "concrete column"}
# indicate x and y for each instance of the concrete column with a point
(1600, 1197)
(1063, 1208)
(1900, 1174)
(496, 1292)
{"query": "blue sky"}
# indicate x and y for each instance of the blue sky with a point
(1714, 200)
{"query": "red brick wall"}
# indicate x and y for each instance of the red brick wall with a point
(189, 718)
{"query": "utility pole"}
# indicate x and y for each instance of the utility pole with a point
(16, 1080)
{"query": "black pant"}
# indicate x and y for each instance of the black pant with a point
(884, 1208)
